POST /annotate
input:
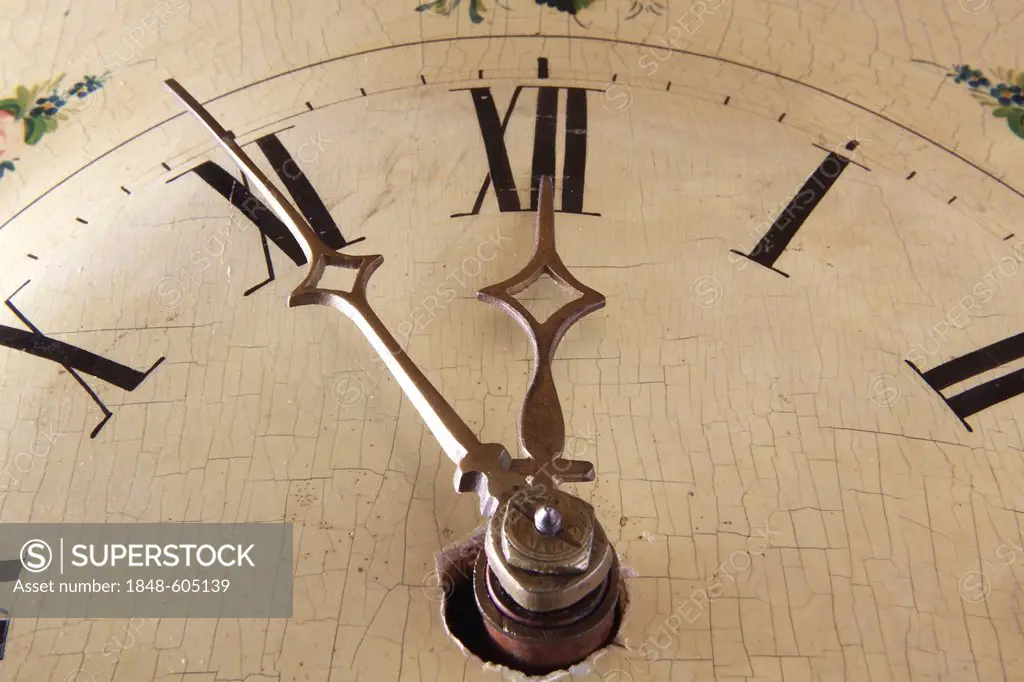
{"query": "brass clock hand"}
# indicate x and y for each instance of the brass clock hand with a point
(544, 550)
(538, 559)
(541, 424)
(483, 468)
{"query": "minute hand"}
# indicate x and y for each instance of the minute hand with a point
(481, 468)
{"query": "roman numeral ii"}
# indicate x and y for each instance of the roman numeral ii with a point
(982, 396)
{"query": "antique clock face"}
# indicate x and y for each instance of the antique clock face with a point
(801, 398)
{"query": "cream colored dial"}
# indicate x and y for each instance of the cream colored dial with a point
(801, 399)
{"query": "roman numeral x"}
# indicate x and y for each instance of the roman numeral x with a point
(72, 358)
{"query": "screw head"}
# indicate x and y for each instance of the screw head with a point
(546, 531)
(547, 520)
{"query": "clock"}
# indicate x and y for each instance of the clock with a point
(801, 398)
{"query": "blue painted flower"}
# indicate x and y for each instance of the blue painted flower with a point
(1007, 94)
(974, 77)
(48, 106)
(84, 87)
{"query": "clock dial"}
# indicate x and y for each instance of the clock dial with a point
(801, 399)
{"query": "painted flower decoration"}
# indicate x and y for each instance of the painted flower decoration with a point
(445, 8)
(973, 77)
(1007, 94)
(476, 7)
(40, 110)
(569, 6)
(1006, 98)
(48, 106)
(84, 88)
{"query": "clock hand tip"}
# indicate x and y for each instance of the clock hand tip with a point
(486, 294)
(172, 86)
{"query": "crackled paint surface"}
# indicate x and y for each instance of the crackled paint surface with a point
(793, 501)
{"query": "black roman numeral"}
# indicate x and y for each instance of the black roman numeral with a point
(5, 629)
(492, 129)
(271, 229)
(992, 392)
(782, 231)
(10, 572)
(72, 358)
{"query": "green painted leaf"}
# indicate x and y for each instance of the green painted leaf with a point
(24, 97)
(1020, 79)
(1016, 124)
(474, 10)
(1003, 112)
(50, 123)
(11, 106)
(582, 4)
(439, 7)
(34, 129)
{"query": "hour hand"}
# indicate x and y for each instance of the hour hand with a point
(541, 424)
(483, 468)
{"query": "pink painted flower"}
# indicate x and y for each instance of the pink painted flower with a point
(12, 135)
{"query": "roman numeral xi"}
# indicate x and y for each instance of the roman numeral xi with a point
(271, 229)
(492, 130)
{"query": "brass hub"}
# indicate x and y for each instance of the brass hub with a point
(544, 573)
(539, 643)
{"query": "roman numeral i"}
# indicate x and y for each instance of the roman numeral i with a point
(799, 208)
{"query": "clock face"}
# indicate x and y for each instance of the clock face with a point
(801, 399)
